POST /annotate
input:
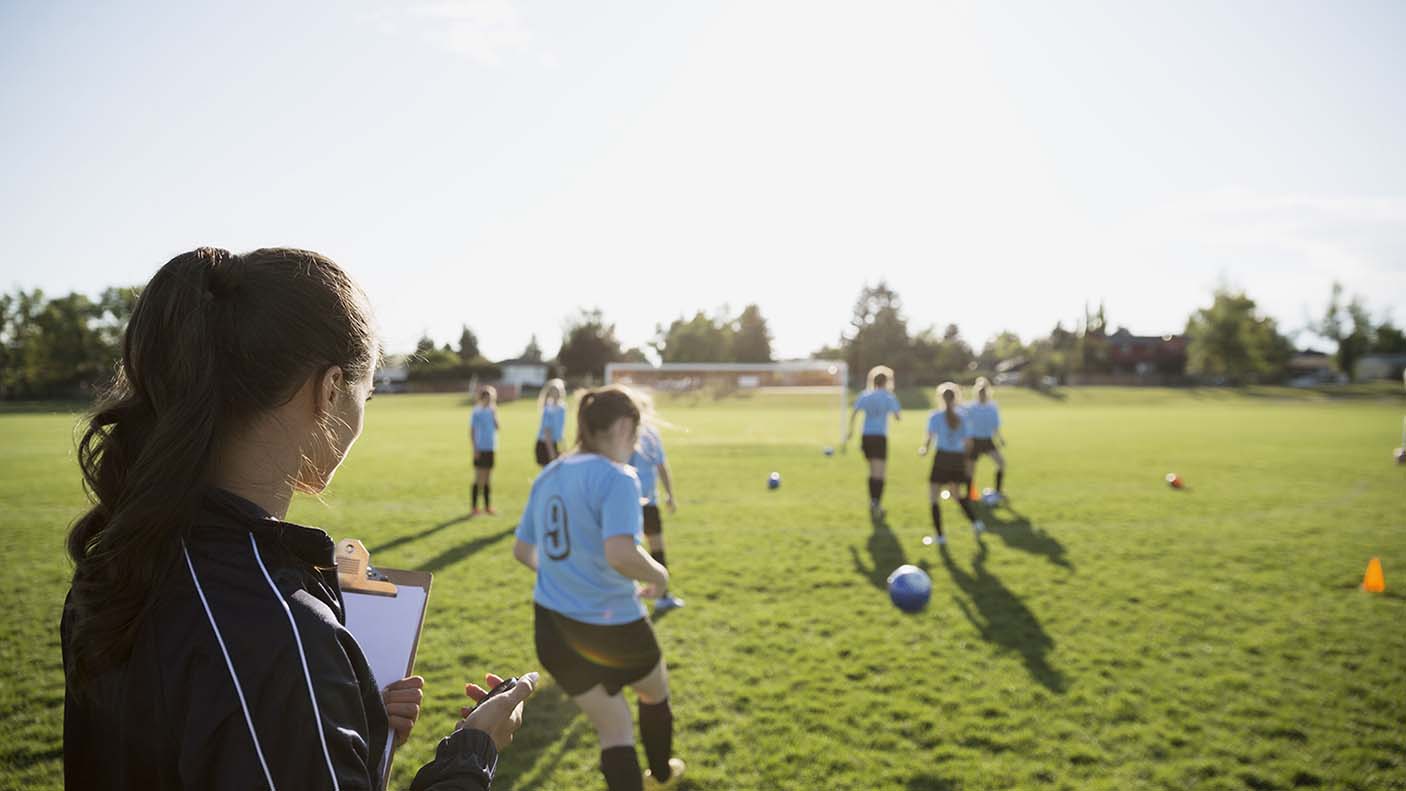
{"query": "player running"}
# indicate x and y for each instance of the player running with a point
(649, 460)
(483, 434)
(984, 428)
(949, 464)
(580, 533)
(877, 402)
(551, 403)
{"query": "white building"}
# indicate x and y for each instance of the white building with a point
(524, 373)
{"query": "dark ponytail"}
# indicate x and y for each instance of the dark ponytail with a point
(214, 340)
(598, 411)
(949, 393)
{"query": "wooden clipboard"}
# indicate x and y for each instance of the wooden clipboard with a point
(385, 612)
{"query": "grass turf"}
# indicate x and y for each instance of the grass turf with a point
(1109, 633)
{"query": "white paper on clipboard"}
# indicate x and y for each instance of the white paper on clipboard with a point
(387, 627)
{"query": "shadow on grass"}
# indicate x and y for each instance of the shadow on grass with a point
(455, 554)
(885, 555)
(546, 737)
(1003, 619)
(1050, 393)
(426, 533)
(1015, 530)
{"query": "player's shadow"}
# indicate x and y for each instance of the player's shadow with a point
(1016, 531)
(426, 533)
(1003, 619)
(552, 728)
(885, 555)
(457, 553)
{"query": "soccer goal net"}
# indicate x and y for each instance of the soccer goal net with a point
(810, 385)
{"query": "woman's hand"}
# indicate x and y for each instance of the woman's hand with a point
(500, 716)
(402, 700)
(673, 509)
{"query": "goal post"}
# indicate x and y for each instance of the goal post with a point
(823, 378)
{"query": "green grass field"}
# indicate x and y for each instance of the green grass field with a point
(1110, 633)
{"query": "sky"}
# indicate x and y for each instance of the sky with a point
(502, 164)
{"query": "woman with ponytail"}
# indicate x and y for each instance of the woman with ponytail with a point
(949, 464)
(203, 637)
(984, 419)
(581, 534)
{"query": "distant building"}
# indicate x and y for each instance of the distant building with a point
(524, 373)
(1146, 355)
(391, 379)
(1379, 366)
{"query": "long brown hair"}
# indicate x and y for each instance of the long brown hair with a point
(950, 409)
(215, 339)
(598, 411)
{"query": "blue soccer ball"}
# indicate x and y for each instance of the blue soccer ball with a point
(910, 588)
(773, 481)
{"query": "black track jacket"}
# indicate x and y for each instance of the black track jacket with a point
(243, 676)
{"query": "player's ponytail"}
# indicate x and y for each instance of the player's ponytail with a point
(948, 392)
(553, 391)
(214, 340)
(598, 411)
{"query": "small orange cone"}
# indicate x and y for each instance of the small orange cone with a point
(1373, 581)
(971, 493)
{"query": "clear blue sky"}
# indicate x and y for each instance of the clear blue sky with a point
(500, 163)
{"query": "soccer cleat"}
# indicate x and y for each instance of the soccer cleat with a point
(942, 541)
(490, 512)
(475, 512)
(876, 511)
(666, 603)
(978, 528)
(676, 768)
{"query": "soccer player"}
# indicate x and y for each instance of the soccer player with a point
(949, 464)
(483, 434)
(648, 460)
(984, 426)
(877, 402)
(580, 533)
(551, 402)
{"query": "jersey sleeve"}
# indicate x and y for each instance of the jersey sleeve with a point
(620, 513)
(526, 529)
(932, 422)
(995, 417)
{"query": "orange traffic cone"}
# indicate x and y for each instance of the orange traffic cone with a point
(1373, 581)
(972, 494)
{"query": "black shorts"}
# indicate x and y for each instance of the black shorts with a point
(484, 460)
(948, 467)
(543, 450)
(875, 446)
(981, 446)
(573, 652)
(652, 525)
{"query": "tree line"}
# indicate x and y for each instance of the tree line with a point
(68, 346)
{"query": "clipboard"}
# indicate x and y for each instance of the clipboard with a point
(385, 612)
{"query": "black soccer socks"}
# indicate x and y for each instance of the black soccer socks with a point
(937, 519)
(876, 490)
(657, 731)
(1000, 479)
(621, 767)
(487, 498)
(475, 495)
(658, 556)
(966, 508)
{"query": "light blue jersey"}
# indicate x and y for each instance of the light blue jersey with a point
(553, 423)
(982, 419)
(949, 440)
(649, 455)
(485, 432)
(576, 503)
(877, 405)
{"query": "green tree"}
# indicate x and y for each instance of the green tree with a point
(701, 339)
(587, 345)
(1231, 340)
(752, 341)
(1001, 346)
(878, 333)
(468, 345)
(1388, 339)
(1349, 326)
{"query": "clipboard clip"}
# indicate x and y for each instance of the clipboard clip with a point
(355, 572)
